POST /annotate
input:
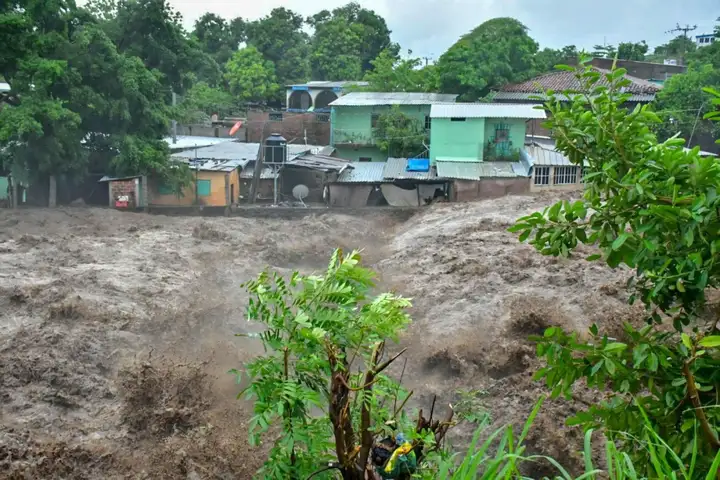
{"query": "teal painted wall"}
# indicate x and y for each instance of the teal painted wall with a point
(3, 188)
(354, 125)
(517, 131)
(457, 139)
(354, 154)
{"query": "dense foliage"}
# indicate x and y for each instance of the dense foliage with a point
(400, 135)
(497, 52)
(325, 339)
(652, 207)
(249, 76)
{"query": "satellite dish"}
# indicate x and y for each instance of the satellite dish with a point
(300, 192)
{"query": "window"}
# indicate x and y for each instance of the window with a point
(374, 120)
(427, 122)
(457, 119)
(542, 175)
(365, 159)
(164, 189)
(276, 116)
(565, 176)
(322, 117)
(203, 188)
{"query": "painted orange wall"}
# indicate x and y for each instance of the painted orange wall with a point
(217, 191)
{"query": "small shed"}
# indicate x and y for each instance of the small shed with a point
(127, 193)
(357, 186)
(551, 169)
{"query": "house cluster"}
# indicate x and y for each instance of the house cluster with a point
(475, 150)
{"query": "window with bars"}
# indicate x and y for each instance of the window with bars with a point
(276, 116)
(565, 175)
(542, 175)
(428, 123)
(322, 117)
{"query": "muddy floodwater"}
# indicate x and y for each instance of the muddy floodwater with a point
(117, 329)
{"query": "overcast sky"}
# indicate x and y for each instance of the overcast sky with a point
(429, 27)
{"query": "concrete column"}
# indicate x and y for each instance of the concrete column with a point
(52, 195)
(14, 194)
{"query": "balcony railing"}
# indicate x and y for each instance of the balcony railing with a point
(352, 138)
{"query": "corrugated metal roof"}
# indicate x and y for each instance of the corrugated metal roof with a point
(218, 165)
(358, 99)
(363, 172)
(479, 170)
(543, 155)
(239, 151)
(319, 162)
(4, 87)
(107, 178)
(396, 168)
(524, 96)
(189, 141)
(459, 170)
(327, 84)
(486, 110)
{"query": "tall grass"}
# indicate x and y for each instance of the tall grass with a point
(501, 455)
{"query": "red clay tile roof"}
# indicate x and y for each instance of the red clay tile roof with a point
(562, 80)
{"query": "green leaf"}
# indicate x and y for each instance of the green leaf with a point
(680, 286)
(593, 257)
(610, 366)
(710, 342)
(615, 347)
(686, 341)
(596, 368)
(302, 319)
(620, 241)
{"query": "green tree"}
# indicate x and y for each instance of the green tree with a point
(73, 94)
(547, 58)
(281, 40)
(399, 135)
(678, 48)
(392, 75)
(632, 51)
(604, 51)
(497, 52)
(251, 78)
(217, 38)
(152, 31)
(319, 330)
(336, 50)
(202, 100)
(652, 207)
(371, 28)
(681, 104)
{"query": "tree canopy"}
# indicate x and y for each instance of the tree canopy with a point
(249, 76)
(497, 52)
(399, 135)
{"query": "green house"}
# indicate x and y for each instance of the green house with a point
(477, 132)
(354, 115)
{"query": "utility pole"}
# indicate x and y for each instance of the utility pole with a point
(174, 122)
(687, 28)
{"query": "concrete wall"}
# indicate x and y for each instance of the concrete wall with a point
(220, 187)
(212, 131)
(469, 190)
(457, 139)
(294, 127)
(312, 179)
(644, 70)
(264, 191)
(579, 185)
(354, 154)
(353, 125)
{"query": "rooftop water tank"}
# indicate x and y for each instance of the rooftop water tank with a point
(275, 150)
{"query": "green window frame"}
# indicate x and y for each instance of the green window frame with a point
(203, 188)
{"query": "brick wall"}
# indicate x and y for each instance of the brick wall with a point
(294, 127)
(123, 187)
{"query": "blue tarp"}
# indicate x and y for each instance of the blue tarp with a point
(418, 164)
